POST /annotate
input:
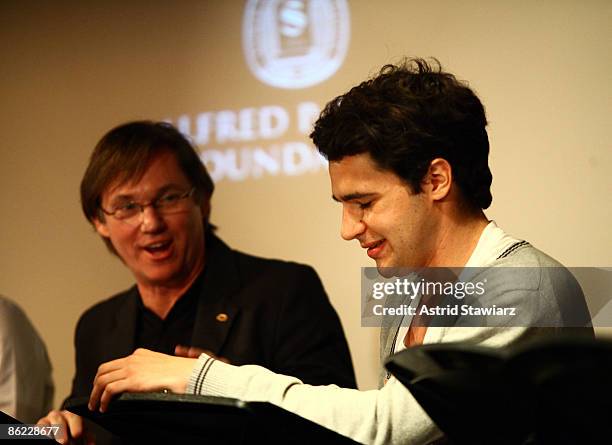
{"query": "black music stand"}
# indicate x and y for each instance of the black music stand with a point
(192, 419)
(546, 392)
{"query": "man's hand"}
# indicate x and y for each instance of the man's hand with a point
(71, 426)
(142, 371)
(194, 352)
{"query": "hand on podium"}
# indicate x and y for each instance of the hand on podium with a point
(71, 430)
(142, 371)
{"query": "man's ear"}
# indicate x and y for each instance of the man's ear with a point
(438, 179)
(101, 228)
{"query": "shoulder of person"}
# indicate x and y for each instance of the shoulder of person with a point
(255, 264)
(107, 308)
(13, 320)
(252, 267)
(523, 266)
(523, 254)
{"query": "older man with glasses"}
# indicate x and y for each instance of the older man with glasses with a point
(147, 194)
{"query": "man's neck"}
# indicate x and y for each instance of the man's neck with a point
(160, 299)
(457, 239)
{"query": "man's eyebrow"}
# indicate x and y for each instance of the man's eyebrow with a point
(160, 191)
(352, 197)
(122, 197)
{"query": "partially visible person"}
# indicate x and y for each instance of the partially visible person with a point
(26, 387)
(408, 162)
(147, 194)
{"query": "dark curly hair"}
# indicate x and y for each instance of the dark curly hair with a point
(406, 116)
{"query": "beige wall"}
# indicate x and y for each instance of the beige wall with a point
(72, 70)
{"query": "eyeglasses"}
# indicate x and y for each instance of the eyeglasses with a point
(169, 202)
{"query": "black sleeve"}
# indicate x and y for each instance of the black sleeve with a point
(309, 341)
(81, 383)
(88, 356)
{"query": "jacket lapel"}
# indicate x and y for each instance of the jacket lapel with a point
(389, 332)
(216, 311)
(121, 337)
(392, 325)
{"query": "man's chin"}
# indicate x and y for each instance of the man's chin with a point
(385, 269)
(160, 277)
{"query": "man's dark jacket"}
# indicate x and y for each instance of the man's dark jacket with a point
(278, 316)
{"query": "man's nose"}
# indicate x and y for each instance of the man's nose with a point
(151, 220)
(352, 225)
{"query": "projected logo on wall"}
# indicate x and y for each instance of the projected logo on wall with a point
(295, 43)
(256, 130)
(288, 44)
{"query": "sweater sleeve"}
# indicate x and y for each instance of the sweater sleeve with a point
(388, 415)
